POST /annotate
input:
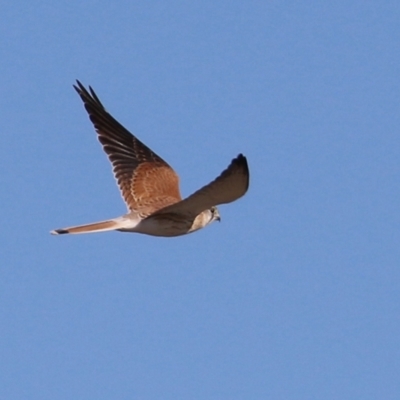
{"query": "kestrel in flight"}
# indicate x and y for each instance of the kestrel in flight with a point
(150, 187)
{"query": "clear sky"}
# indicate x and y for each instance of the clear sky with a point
(296, 293)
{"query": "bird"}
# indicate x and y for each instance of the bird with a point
(150, 187)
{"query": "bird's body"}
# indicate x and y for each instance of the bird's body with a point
(171, 224)
(150, 187)
(167, 225)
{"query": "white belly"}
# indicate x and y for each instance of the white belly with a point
(161, 227)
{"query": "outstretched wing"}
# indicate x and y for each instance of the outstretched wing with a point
(146, 181)
(229, 186)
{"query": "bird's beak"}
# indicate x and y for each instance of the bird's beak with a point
(218, 218)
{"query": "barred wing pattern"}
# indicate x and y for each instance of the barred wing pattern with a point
(146, 181)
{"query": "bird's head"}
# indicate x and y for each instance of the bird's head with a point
(215, 214)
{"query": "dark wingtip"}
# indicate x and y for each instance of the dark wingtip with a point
(87, 96)
(241, 162)
(81, 90)
(78, 87)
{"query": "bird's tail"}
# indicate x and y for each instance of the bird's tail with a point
(102, 226)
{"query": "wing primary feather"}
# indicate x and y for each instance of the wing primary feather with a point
(229, 186)
(141, 174)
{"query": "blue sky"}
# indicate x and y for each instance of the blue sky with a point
(295, 294)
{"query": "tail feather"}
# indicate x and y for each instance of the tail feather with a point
(102, 226)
